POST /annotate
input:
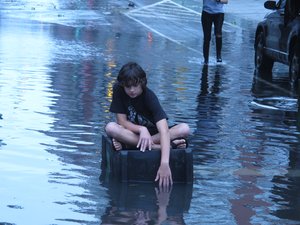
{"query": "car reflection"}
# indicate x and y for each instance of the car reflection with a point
(285, 189)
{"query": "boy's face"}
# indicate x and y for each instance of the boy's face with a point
(133, 91)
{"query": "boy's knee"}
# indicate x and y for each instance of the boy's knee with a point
(184, 129)
(109, 128)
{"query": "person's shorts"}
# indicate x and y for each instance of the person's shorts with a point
(153, 130)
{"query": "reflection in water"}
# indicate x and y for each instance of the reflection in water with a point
(55, 88)
(209, 106)
(138, 203)
(243, 206)
(213, 157)
(285, 190)
(265, 84)
(286, 98)
(263, 87)
(277, 104)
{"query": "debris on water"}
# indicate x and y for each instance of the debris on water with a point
(15, 206)
(276, 103)
(131, 4)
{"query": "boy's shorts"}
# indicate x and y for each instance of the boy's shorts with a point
(153, 130)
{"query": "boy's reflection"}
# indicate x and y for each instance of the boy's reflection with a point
(163, 198)
(145, 203)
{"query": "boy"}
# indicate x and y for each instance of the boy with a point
(141, 121)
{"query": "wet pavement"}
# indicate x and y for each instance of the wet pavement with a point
(58, 63)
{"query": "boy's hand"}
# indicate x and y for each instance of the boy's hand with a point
(145, 140)
(164, 175)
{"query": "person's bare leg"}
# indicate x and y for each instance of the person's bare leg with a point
(121, 135)
(178, 132)
(179, 143)
(117, 145)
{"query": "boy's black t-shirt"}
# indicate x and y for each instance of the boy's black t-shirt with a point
(144, 110)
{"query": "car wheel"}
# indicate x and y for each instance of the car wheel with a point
(294, 67)
(262, 62)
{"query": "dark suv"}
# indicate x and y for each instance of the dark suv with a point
(277, 37)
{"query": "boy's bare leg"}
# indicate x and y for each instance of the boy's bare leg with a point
(121, 135)
(177, 135)
(179, 143)
(179, 130)
(117, 145)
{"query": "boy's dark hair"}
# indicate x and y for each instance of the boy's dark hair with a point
(132, 74)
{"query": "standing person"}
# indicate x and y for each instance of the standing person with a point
(141, 121)
(212, 13)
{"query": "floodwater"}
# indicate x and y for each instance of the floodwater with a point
(58, 63)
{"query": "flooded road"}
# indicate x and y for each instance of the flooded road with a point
(58, 63)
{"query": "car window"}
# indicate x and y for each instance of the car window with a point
(281, 4)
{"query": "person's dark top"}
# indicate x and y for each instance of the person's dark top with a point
(144, 110)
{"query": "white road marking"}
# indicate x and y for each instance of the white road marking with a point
(175, 14)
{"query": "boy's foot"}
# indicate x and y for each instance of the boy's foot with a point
(179, 143)
(219, 60)
(117, 145)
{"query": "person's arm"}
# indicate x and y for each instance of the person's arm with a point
(145, 139)
(164, 175)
